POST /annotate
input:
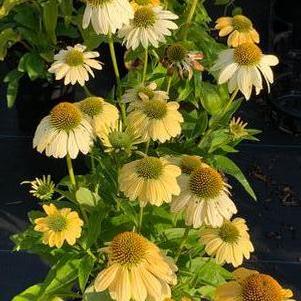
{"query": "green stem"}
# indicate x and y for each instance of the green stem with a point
(193, 6)
(140, 219)
(145, 65)
(71, 172)
(182, 244)
(117, 75)
(169, 83)
(147, 146)
(231, 100)
(87, 91)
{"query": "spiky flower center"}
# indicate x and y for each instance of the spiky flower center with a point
(247, 54)
(190, 163)
(261, 287)
(56, 223)
(155, 109)
(74, 58)
(149, 168)
(176, 52)
(205, 182)
(144, 17)
(242, 23)
(91, 106)
(237, 129)
(44, 191)
(128, 248)
(229, 233)
(119, 140)
(96, 3)
(148, 92)
(65, 116)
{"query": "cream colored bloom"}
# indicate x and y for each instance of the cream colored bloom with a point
(229, 243)
(150, 180)
(137, 270)
(249, 285)
(42, 188)
(239, 28)
(101, 113)
(244, 67)
(149, 27)
(64, 131)
(237, 128)
(156, 119)
(75, 64)
(59, 225)
(204, 198)
(107, 16)
(136, 4)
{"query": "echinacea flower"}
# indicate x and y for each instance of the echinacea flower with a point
(107, 16)
(149, 26)
(136, 4)
(150, 180)
(41, 188)
(137, 270)
(243, 67)
(179, 60)
(64, 131)
(229, 243)
(187, 163)
(101, 113)
(204, 197)
(75, 64)
(156, 119)
(249, 285)
(58, 226)
(239, 28)
(114, 138)
(237, 128)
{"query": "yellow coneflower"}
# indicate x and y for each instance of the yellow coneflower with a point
(58, 226)
(136, 270)
(150, 180)
(64, 131)
(249, 285)
(239, 28)
(229, 243)
(204, 197)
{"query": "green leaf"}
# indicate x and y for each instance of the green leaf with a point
(12, 78)
(61, 274)
(8, 37)
(8, 5)
(228, 166)
(84, 270)
(50, 16)
(30, 294)
(66, 7)
(32, 64)
(86, 197)
(91, 295)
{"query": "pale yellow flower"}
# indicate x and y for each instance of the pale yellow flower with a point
(149, 27)
(204, 197)
(243, 68)
(239, 28)
(136, 4)
(229, 243)
(249, 285)
(75, 64)
(58, 226)
(41, 188)
(150, 180)
(101, 113)
(64, 131)
(137, 270)
(156, 119)
(107, 16)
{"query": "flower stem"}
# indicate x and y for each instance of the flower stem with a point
(147, 146)
(231, 100)
(193, 6)
(169, 83)
(117, 76)
(145, 64)
(71, 172)
(140, 219)
(87, 91)
(182, 244)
